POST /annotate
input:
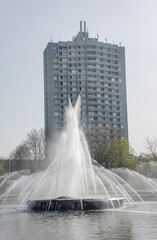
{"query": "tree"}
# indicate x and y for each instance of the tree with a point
(32, 148)
(118, 153)
(151, 146)
(36, 144)
(97, 138)
(21, 152)
(112, 153)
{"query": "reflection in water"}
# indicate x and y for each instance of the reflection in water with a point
(121, 224)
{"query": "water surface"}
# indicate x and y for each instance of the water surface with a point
(134, 223)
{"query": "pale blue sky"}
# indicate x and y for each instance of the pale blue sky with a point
(26, 26)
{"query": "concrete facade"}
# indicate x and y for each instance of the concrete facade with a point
(94, 69)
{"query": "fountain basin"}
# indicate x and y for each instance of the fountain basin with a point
(72, 204)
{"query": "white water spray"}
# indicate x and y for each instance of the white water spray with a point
(71, 173)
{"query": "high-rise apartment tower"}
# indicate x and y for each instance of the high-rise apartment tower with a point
(94, 69)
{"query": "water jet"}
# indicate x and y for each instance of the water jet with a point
(73, 181)
(74, 175)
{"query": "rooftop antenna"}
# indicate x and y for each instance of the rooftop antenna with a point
(106, 40)
(120, 44)
(80, 26)
(84, 26)
(97, 33)
(50, 38)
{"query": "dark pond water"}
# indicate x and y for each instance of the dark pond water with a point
(129, 223)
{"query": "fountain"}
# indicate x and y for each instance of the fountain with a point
(73, 173)
(73, 181)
